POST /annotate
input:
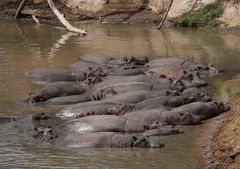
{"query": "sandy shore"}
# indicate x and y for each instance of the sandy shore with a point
(222, 151)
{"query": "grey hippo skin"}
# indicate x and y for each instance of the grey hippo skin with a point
(196, 94)
(55, 90)
(91, 108)
(151, 78)
(136, 96)
(128, 86)
(189, 114)
(128, 71)
(111, 62)
(66, 100)
(187, 96)
(202, 110)
(162, 101)
(104, 140)
(162, 131)
(33, 126)
(187, 65)
(104, 123)
(50, 75)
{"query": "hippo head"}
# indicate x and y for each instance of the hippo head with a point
(219, 107)
(208, 68)
(177, 85)
(144, 142)
(39, 116)
(44, 133)
(184, 119)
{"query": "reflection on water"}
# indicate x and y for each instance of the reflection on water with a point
(26, 46)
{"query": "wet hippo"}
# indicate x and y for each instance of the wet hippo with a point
(35, 126)
(93, 108)
(202, 110)
(163, 116)
(55, 90)
(136, 96)
(162, 101)
(128, 86)
(128, 70)
(65, 100)
(151, 78)
(162, 131)
(103, 140)
(105, 123)
(160, 62)
(196, 94)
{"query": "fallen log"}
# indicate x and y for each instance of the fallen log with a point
(67, 25)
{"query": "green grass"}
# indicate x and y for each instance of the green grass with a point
(203, 17)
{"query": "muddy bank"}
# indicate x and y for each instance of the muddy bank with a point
(223, 149)
(133, 11)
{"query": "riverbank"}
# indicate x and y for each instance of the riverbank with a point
(222, 149)
(183, 13)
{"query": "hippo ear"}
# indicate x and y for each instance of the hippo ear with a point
(181, 114)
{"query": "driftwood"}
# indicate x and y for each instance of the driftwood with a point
(165, 15)
(35, 19)
(20, 8)
(67, 25)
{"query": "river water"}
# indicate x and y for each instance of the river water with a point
(25, 46)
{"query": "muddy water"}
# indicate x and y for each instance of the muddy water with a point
(26, 46)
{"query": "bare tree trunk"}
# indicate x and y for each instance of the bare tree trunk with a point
(165, 15)
(20, 8)
(67, 25)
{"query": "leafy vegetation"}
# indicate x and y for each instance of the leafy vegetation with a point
(203, 17)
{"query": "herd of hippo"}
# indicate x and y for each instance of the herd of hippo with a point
(109, 102)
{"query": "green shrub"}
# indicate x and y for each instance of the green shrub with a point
(203, 17)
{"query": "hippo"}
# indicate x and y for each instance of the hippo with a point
(163, 131)
(128, 86)
(127, 70)
(55, 90)
(150, 77)
(65, 100)
(105, 123)
(203, 110)
(161, 115)
(112, 62)
(136, 96)
(104, 140)
(160, 62)
(162, 101)
(94, 108)
(35, 126)
(196, 94)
